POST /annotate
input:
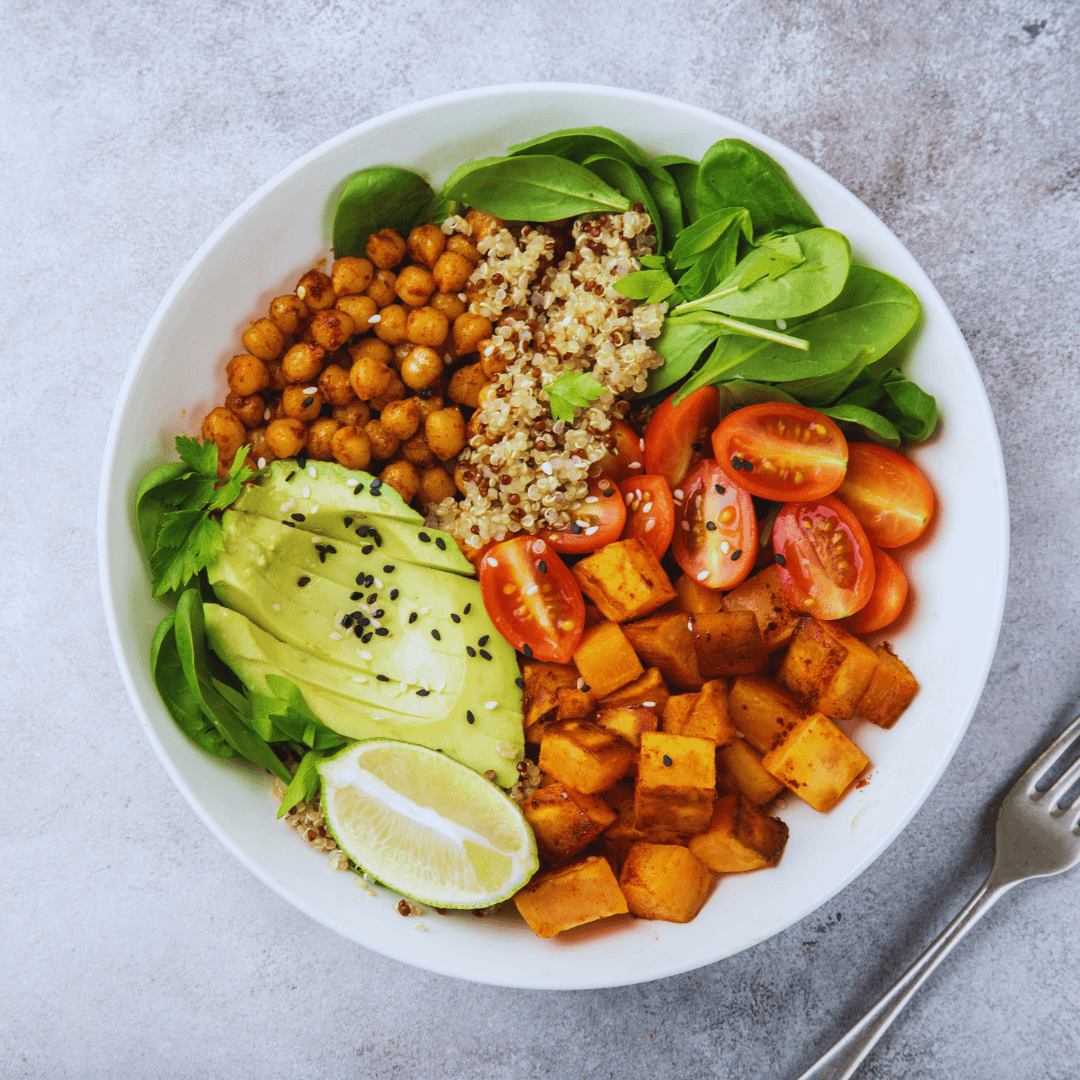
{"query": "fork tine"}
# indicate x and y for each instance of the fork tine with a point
(1049, 756)
(1063, 783)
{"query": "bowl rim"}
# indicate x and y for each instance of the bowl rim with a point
(918, 280)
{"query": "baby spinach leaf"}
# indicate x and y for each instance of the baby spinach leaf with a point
(304, 783)
(859, 423)
(382, 197)
(697, 239)
(739, 392)
(685, 173)
(533, 188)
(681, 343)
(157, 493)
(626, 179)
(576, 144)
(909, 407)
(734, 173)
(668, 202)
(825, 389)
(570, 391)
(652, 286)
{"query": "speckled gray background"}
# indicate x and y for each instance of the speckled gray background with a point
(133, 945)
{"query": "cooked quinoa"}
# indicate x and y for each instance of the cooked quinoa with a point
(521, 470)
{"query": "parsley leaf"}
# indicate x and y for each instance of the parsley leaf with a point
(571, 390)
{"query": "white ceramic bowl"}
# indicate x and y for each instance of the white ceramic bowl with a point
(958, 578)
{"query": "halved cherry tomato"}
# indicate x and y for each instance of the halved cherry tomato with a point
(887, 493)
(826, 563)
(598, 520)
(627, 457)
(781, 451)
(532, 598)
(715, 528)
(650, 511)
(677, 438)
(886, 601)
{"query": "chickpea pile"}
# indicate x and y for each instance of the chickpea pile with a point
(368, 364)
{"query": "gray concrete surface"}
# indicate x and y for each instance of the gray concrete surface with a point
(133, 944)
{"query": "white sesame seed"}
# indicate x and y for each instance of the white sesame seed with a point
(630, 497)
(425, 611)
(374, 319)
(581, 524)
(377, 582)
(650, 524)
(489, 350)
(316, 539)
(266, 414)
(546, 467)
(647, 507)
(686, 526)
(538, 549)
(334, 635)
(306, 492)
(649, 704)
(286, 506)
(359, 679)
(641, 443)
(678, 494)
(492, 562)
(365, 654)
(463, 296)
(276, 607)
(311, 390)
(301, 291)
(312, 472)
(314, 509)
(702, 575)
(591, 499)
(261, 463)
(690, 622)
(419, 926)
(489, 705)
(591, 529)
(580, 683)
(725, 547)
(532, 590)
(634, 465)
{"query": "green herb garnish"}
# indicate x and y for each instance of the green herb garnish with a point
(571, 391)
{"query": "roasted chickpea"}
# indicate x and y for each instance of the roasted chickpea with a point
(463, 246)
(469, 331)
(303, 362)
(421, 368)
(286, 437)
(369, 378)
(371, 347)
(425, 245)
(460, 482)
(394, 392)
(315, 289)
(483, 224)
(474, 431)
(465, 384)
(261, 450)
(263, 339)
(403, 478)
(417, 450)
(274, 408)
(383, 444)
(436, 484)
(386, 248)
(429, 404)
(288, 313)
(452, 272)
(319, 436)
(401, 418)
(400, 355)
(360, 309)
(426, 326)
(356, 414)
(383, 288)
(414, 286)
(276, 375)
(223, 427)
(445, 432)
(350, 275)
(301, 404)
(492, 358)
(392, 326)
(331, 328)
(247, 374)
(351, 447)
(250, 409)
(335, 384)
(449, 304)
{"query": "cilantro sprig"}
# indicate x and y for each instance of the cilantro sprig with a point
(571, 391)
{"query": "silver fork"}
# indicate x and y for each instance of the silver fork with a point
(1035, 838)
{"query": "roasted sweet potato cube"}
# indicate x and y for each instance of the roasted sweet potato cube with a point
(677, 712)
(664, 881)
(710, 718)
(817, 761)
(542, 682)
(665, 641)
(625, 580)
(892, 689)
(650, 691)
(564, 821)
(739, 769)
(827, 667)
(623, 832)
(676, 782)
(728, 643)
(592, 615)
(690, 596)
(740, 837)
(628, 722)
(574, 704)
(579, 893)
(762, 711)
(764, 596)
(606, 659)
(583, 756)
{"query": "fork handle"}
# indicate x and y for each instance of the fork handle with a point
(845, 1057)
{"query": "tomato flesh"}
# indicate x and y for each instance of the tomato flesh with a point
(532, 598)
(715, 538)
(599, 520)
(887, 493)
(781, 451)
(826, 563)
(650, 511)
(886, 601)
(677, 437)
(627, 457)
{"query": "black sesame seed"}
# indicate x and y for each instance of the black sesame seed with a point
(302, 581)
(736, 555)
(363, 530)
(469, 716)
(355, 595)
(290, 476)
(424, 538)
(301, 460)
(667, 760)
(376, 537)
(360, 580)
(372, 597)
(364, 620)
(542, 566)
(436, 635)
(388, 569)
(320, 547)
(356, 616)
(470, 650)
(519, 683)
(412, 616)
(394, 594)
(358, 630)
(608, 492)
(369, 580)
(382, 678)
(367, 549)
(382, 632)
(526, 650)
(307, 402)
(291, 524)
(322, 554)
(575, 528)
(346, 622)
(467, 608)
(358, 489)
(376, 486)
(585, 689)
(711, 526)
(781, 561)
(440, 543)
(366, 638)
(297, 517)
(330, 549)
(455, 617)
(348, 522)
(719, 489)
(748, 466)
(736, 463)
(485, 654)
(484, 640)
(422, 693)
(378, 613)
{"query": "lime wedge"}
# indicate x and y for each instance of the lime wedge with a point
(425, 825)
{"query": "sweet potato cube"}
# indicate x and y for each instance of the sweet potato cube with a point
(740, 837)
(665, 641)
(628, 722)
(762, 711)
(579, 893)
(542, 682)
(739, 769)
(664, 881)
(892, 689)
(623, 832)
(763, 595)
(625, 580)
(827, 667)
(690, 596)
(677, 712)
(564, 821)
(606, 659)
(573, 704)
(817, 761)
(583, 756)
(728, 643)
(592, 615)
(650, 692)
(676, 782)
(710, 718)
